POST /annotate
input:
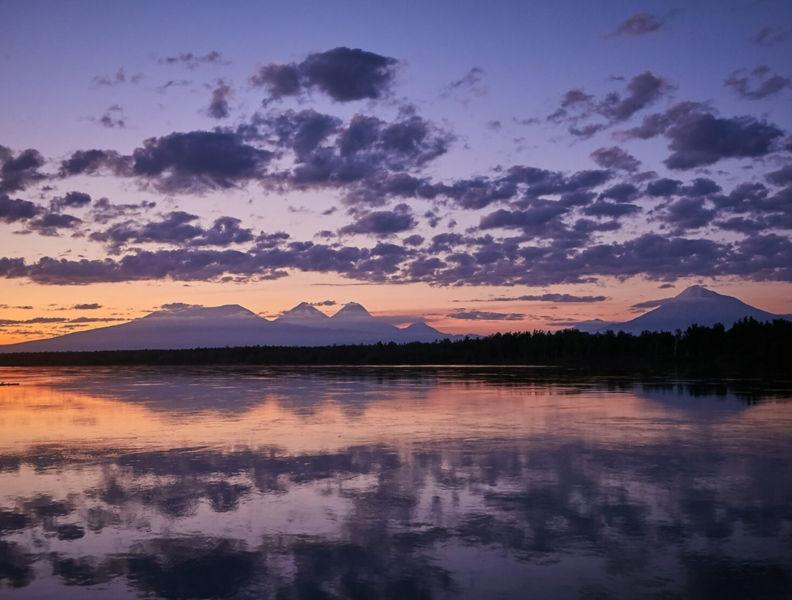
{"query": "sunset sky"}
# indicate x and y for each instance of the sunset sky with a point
(489, 166)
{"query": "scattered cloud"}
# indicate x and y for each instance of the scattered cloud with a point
(118, 78)
(641, 24)
(756, 84)
(344, 74)
(480, 315)
(193, 61)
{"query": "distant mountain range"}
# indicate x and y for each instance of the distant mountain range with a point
(304, 325)
(234, 325)
(694, 306)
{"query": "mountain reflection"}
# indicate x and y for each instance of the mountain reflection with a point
(336, 485)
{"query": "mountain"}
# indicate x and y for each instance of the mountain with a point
(234, 325)
(594, 325)
(694, 306)
(304, 314)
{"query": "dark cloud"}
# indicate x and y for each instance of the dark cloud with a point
(700, 186)
(193, 162)
(344, 74)
(113, 117)
(50, 224)
(91, 306)
(480, 315)
(91, 162)
(70, 200)
(178, 228)
(663, 188)
(658, 123)
(179, 306)
(193, 61)
(549, 297)
(15, 209)
(756, 84)
(577, 107)
(19, 171)
(640, 24)
(699, 138)
(686, 214)
(382, 223)
(301, 131)
(603, 208)
(616, 158)
(219, 107)
(769, 36)
(621, 192)
(198, 161)
(782, 176)
(480, 261)
(103, 211)
(704, 139)
(642, 91)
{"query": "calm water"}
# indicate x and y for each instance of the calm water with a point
(391, 483)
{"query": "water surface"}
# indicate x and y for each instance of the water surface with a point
(391, 483)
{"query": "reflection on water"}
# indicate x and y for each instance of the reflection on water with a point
(391, 483)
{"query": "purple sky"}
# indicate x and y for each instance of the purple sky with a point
(422, 160)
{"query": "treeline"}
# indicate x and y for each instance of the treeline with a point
(747, 347)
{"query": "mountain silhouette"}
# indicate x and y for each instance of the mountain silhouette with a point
(695, 305)
(233, 325)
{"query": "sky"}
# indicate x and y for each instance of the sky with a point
(482, 166)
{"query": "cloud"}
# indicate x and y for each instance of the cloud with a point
(642, 91)
(193, 61)
(50, 224)
(344, 74)
(177, 228)
(704, 139)
(621, 192)
(218, 105)
(548, 297)
(103, 211)
(179, 306)
(640, 24)
(15, 209)
(687, 213)
(471, 83)
(302, 131)
(91, 162)
(382, 222)
(118, 78)
(91, 306)
(770, 36)
(113, 117)
(782, 176)
(478, 261)
(192, 162)
(19, 171)
(756, 84)
(197, 161)
(577, 107)
(70, 200)
(480, 315)
(699, 138)
(616, 158)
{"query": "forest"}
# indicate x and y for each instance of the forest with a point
(748, 347)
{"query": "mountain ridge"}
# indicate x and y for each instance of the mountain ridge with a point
(233, 325)
(695, 305)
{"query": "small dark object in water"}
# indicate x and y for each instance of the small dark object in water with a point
(3, 383)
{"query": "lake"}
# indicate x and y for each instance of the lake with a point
(392, 483)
